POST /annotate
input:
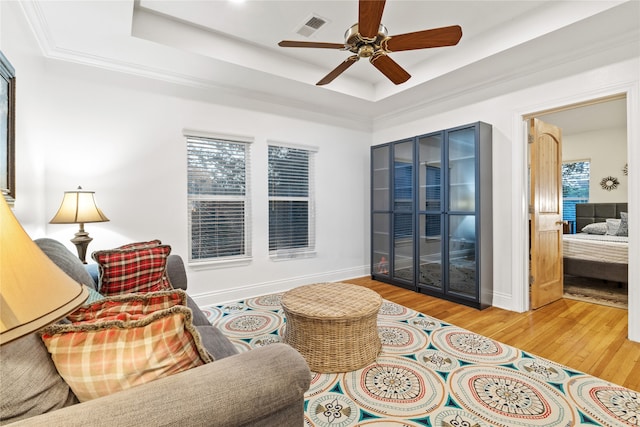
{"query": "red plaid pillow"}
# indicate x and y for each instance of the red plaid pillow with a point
(133, 270)
(134, 304)
(103, 357)
(141, 245)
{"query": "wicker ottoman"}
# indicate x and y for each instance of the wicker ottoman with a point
(333, 325)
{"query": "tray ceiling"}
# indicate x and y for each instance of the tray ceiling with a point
(232, 46)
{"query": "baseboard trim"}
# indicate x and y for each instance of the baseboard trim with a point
(222, 296)
(505, 302)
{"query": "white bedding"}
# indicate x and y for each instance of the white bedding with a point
(594, 247)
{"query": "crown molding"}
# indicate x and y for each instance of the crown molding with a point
(617, 47)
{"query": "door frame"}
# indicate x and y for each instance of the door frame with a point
(520, 211)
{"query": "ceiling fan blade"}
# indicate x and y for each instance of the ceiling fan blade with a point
(389, 68)
(369, 17)
(293, 43)
(437, 37)
(338, 70)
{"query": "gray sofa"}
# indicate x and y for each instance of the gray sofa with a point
(261, 387)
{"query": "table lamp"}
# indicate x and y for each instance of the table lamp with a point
(34, 292)
(78, 207)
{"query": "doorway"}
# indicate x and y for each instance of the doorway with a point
(595, 133)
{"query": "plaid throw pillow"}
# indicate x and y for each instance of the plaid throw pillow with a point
(107, 356)
(132, 270)
(133, 304)
(142, 245)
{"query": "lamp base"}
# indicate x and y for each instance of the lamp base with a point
(82, 241)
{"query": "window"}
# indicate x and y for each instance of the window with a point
(218, 196)
(575, 187)
(291, 209)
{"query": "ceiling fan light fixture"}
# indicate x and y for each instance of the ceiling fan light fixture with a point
(366, 51)
(353, 37)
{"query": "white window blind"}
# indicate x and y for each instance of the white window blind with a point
(219, 197)
(291, 202)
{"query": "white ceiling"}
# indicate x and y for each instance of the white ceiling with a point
(588, 118)
(231, 47)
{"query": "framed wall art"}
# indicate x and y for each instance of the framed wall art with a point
(609, 183)
(7, 129)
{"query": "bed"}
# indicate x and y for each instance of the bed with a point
(596, 255)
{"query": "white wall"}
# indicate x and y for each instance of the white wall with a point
(606, 150)
(121, 136)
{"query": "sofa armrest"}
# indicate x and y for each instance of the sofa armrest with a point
(176, 272)
(245, 389)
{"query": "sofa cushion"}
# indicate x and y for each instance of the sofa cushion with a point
(30, 383)
(216, 343)
(66, 261)
(133, 304)
(133, 270)
(120, 352)
(199, 318)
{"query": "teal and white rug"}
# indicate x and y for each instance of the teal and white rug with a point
(431, 373)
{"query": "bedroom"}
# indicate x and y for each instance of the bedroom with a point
(595, 136)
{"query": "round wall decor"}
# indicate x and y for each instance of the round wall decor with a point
(609, 183)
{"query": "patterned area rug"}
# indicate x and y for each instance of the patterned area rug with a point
(430, 373)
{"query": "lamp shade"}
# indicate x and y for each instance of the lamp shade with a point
(78, 206)
(34, 292)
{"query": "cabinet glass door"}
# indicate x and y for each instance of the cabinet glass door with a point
(430, 210)
(462, 170)
(403, 262)
(462, 255)
(380, 178)
(380, 243)
(461, 238)
(381, 216)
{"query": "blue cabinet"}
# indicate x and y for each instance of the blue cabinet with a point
(431, 219)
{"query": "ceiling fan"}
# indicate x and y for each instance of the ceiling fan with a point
(368, 39)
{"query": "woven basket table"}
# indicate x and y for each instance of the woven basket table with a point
(333, 325)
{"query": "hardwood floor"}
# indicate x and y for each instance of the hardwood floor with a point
(586, 337)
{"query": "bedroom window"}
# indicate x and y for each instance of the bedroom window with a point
(218, 198)
(575, 187)
(291, 201)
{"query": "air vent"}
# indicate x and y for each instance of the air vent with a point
(312, 24)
